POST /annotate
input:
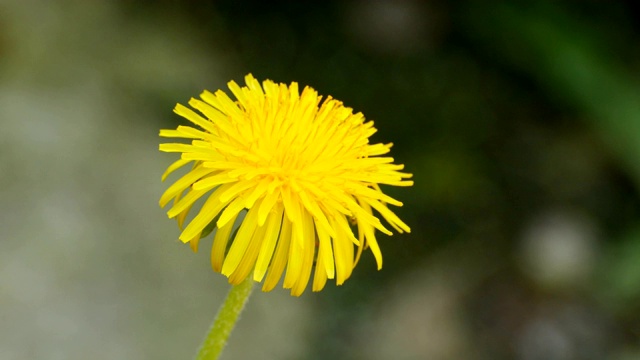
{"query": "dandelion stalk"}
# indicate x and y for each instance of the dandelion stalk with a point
(225, 320)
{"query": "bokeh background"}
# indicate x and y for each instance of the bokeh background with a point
(520, 121)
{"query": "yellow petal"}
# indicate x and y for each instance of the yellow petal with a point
(307, 256)
(269, 244)
(280, 259)
(219, 248)
(173, 167)
(240, 242)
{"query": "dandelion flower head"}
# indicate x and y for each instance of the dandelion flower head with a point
(290, 184)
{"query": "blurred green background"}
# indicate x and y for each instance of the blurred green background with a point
(519, 120)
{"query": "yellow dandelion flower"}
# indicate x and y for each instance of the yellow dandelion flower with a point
(302, 168)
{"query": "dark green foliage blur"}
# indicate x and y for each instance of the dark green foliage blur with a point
(508, 115)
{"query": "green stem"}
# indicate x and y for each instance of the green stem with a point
(224, 322)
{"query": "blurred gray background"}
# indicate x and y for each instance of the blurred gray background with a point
(521, 123)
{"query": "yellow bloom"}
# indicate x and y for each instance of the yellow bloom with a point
(302, 168)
